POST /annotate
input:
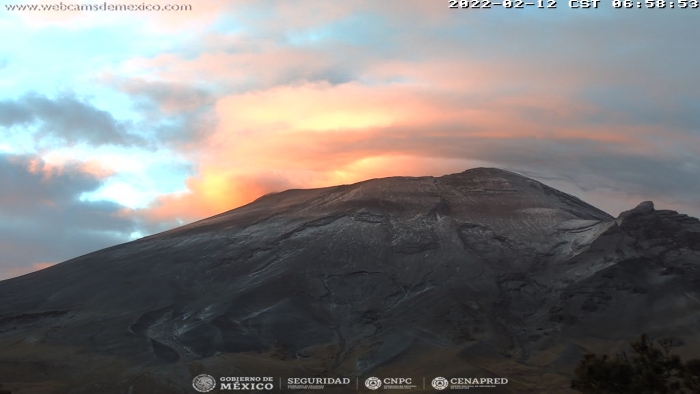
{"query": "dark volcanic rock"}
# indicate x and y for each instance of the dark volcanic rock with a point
(485, 273)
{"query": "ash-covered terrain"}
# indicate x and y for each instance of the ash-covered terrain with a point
(484, 273)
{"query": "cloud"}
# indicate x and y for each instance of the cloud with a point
(170, 98)
(175, 113)
(246, 64)
(320, 134)
(42, 218)
(212, 192)
(66, 118)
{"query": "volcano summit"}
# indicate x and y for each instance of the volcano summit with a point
(481, 274)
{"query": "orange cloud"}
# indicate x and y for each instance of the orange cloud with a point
(287, 132)
(212, 192)
(324, 107)
(394, 119)
(319, 134)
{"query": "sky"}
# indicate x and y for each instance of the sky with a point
(115, 125)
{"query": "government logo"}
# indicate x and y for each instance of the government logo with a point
(440, 383)
(204, 383)
(373, 383)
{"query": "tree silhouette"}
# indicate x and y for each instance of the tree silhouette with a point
(649, 370)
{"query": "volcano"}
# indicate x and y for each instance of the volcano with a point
(480, 274)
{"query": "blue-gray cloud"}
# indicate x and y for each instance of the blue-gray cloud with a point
(43, 220)
(66, 118)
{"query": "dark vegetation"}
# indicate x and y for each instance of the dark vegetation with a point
(649, 369)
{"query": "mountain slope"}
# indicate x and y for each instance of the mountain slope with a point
(483, 273)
